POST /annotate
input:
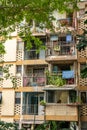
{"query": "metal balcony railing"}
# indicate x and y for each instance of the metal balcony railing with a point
(61, 49)
(34, 81)
(30, 109)
(66, 22)
(57, 78)
(32, 54)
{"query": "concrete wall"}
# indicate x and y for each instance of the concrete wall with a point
(8, 102)
(10, 47)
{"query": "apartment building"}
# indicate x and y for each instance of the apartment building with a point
(52, 75)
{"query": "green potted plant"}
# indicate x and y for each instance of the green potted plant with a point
(43, 103)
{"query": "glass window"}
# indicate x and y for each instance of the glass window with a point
(54, 38)
(18, 69)
(17, 98)
(19, 45)
(72, 96)
(50, 96)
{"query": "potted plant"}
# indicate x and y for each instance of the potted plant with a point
(43, 103)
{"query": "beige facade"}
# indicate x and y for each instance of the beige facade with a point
(8, 103)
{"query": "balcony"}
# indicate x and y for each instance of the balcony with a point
(32, 54)
(34, 81)
(64, 51)
(61, 79)
(68, 22)
(61, 112)
(32, 109)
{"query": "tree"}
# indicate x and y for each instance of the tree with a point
(6, 126)
(21, 14)
(50, 125)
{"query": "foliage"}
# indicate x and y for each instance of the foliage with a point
(84, 72)
(42, 102)
(82, 41)
(21, 14)
(55, 80)
(7, 75)
(50, 125)
(7, 126)
(2, 48)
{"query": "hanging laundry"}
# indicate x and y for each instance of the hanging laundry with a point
(67, 74)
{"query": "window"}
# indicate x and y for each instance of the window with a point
(17, 98)
(54, 38)
(18, 69)
(19, 45)
(72, 96)
(50, 96)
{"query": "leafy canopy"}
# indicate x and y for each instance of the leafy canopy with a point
(21, 13)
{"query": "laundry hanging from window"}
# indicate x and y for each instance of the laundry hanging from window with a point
(67, 74)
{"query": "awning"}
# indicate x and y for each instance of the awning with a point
(65, 87)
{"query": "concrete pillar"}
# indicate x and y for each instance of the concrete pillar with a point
(32, 127)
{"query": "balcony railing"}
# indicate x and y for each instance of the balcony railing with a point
(60, 78)
(30, 109)
(66, 22)
(61, 111)
(31, 55)
(34, 81)
(61, 49)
